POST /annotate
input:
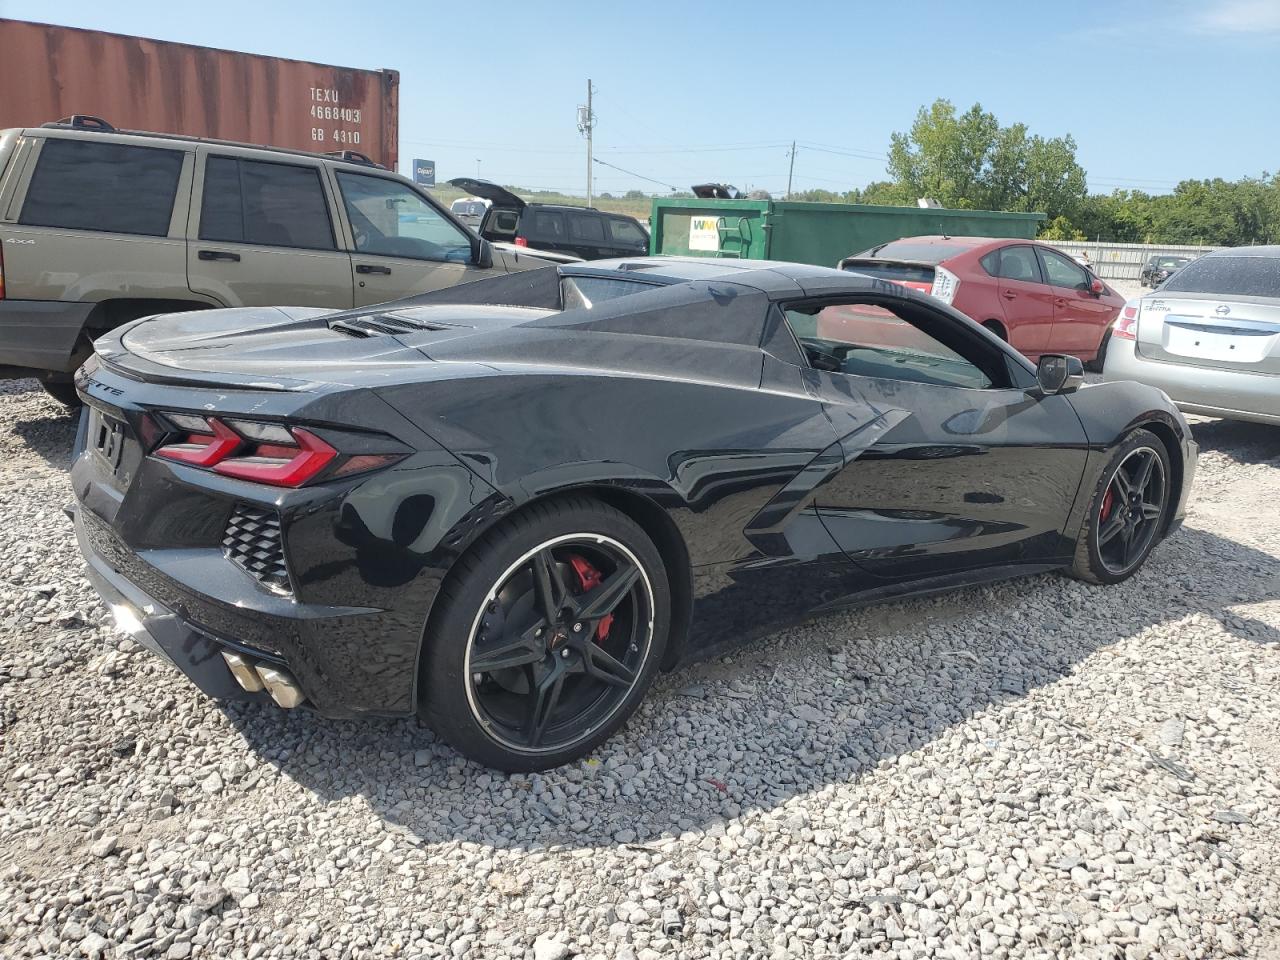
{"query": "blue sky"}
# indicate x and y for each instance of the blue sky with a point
(1154, 92)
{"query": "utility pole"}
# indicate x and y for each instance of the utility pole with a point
(586, 123)
(791, 169)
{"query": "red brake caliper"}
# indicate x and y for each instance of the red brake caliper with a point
(588, 578)
(1107, 502)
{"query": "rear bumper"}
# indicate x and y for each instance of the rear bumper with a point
(173, 614)
(157, 628)
(1209, 391)
(41, 335)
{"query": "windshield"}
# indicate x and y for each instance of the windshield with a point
(468, 208)
(1228, 276)
(922, 252)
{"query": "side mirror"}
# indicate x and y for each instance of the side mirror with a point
(1097, 287)
(1057, 373)
(483, 255)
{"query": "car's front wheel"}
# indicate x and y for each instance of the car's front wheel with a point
(546, 636)
(1128, 513)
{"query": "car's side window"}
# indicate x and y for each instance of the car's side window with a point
(584, 226)
(548, 225)
(112, 187)
(389, 219)
(1061, 272)
(264, 203)
(625, 231)
(891, 340)
(1015, 263)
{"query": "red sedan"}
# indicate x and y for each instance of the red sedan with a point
(1035, 297)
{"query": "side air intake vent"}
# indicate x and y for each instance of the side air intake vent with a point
(381, 325)
(252, 541)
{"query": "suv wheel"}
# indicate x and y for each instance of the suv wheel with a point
(64, 391)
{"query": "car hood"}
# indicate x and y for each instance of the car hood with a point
(296, 348)
(500, 196)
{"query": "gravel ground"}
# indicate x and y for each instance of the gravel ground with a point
(1034, 769)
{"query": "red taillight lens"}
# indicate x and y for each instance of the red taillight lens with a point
(203, 449)
(268, 453)
(521, 242)
(1126, 325)
(279, 465)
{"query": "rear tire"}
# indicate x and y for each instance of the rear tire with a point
(64, 391)
(1095, 365)
(559, 686)
(1128, 513)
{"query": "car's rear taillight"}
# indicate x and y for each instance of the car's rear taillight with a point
(521, 242)
(278, 464)
(945, 285)
(274, 454)
(203, 443)
(1126, 325)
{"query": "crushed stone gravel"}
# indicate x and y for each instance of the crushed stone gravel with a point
(1039, 768)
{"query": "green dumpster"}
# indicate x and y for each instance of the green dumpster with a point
(818, 233)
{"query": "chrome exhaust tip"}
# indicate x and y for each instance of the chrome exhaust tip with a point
(283, 688)
(243, 671)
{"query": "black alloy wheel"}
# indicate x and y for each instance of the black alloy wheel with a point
(559, 643)
(1128, 519)
(1129, 511)
(546, 636)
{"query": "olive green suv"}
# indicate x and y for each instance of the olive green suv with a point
(100, 226)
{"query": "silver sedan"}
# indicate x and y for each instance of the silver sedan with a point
(1209, 337)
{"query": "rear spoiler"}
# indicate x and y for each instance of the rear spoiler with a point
(847, 262)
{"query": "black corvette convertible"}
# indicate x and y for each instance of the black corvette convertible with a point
(507, 505)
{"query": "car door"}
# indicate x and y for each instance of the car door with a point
(626, 237)
(402, 244)
(974, 469)
(586, 235)
(1025, 299)
(262, 234)
(1080, 317)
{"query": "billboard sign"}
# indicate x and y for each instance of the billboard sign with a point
(424, 173)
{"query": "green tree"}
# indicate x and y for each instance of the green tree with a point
(969, 161)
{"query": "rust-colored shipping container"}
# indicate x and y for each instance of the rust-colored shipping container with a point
(48, 72)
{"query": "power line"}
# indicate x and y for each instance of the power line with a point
(752, 149)
(842, 151)
(632, 173)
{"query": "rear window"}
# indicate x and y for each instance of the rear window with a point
(899, 272)
(923, 252)
(1228, 276)
(111, 187)
(589, 291)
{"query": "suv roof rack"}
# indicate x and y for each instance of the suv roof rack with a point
(354, 156)
(82, 121)
(88, 123)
